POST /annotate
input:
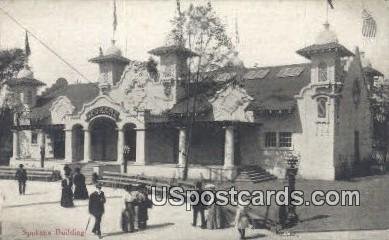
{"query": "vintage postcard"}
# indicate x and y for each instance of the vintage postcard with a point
(194, 119)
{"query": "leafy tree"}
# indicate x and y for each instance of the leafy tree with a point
(199, 29)
(11, 61)
(202, 31)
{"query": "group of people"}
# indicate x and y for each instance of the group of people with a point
(135, 208)
(80, 191)
(216, 217)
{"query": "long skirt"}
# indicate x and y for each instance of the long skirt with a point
(80, 192)
(67, 198)
(128, 219)
(216, 218)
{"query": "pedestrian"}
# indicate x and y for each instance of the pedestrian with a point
(80, 190)
(21, 176)
(67, 170)
(198, 208)
(42, 152)
(2, 200)
(216, 218)
(242, 220)
(96, 208)
(67, 193)
(128, 211)
(144, 203)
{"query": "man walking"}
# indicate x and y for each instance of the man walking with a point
(199, 208)
(96, 208)
(21, 176)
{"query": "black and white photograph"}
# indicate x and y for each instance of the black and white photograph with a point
(194, 119)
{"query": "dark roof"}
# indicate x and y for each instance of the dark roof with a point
(272, 88)
(372, 71)
(173, 49)
(276, 91)
(111, 57)
(24, 81)
(321, 48)
(202, 105)
(78, 94)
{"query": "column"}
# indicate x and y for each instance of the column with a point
(68, 146)
(86, 145)
(182, 147)
(229, 148)
(140, 146)
(15, 144)
(120, 147)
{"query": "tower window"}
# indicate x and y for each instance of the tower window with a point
(34, 137)
(321, 107)
(29, 97)
(323, 72)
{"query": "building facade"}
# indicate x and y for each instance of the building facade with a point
(243, 116)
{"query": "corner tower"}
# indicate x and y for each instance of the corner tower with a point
(174, 68)
(111, 65)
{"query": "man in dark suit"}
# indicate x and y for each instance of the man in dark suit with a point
(21, 176)
(96, 208)
(199, 208)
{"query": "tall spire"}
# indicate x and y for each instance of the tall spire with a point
(237, 39)
(27, 49)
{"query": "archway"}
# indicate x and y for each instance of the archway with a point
(103, 139)
(130, 141)
(77, 143)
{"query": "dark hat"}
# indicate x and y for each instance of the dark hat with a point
(21, 165)
(99, 185)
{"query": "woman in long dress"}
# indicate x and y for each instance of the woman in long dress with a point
(144, 203)
(67, 193)
(216, 218)
(80, 191)
(242, 221)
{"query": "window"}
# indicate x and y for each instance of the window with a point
(323, 72)
(34, 138)
(321, 107)
(271, 139)
(285, 139)
(29, 97)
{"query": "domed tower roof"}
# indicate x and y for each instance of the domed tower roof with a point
(25, 73)
(364, 60)
(113, 50)
(326, 36)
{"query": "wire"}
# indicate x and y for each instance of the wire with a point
(44, 44)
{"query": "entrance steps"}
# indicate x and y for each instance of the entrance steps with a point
(254, 174)
(87, 170)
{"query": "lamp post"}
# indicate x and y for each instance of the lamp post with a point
(292, 160)
(126, 153)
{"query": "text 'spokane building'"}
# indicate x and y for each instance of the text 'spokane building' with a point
(244, 116)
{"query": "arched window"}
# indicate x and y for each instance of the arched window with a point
(322, 107)
(322, 72)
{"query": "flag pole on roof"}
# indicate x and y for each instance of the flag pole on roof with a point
(115, 22)
(27, 49)
(331, 5)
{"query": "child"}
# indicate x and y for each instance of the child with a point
(242, 221)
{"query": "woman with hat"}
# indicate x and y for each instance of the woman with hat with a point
(67, 193)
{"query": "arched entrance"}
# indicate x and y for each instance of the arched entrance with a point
(130, 141)
(103, 139)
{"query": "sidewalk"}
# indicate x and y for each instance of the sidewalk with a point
(39, 213)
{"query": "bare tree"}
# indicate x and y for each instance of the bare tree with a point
(199, 29)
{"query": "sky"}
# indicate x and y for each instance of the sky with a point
(270, 31)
